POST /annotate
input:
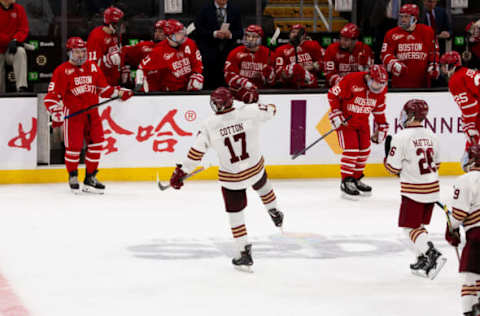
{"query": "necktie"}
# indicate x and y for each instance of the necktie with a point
(395, 9)
(433, 23)
(220, 16)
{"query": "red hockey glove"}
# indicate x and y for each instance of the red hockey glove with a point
(112, 59)
(453, 238)
(176, 180)
(125, 94)
(473, 135)
(397, 68)
(433, 71)
(56, 113)
(195, 82)
(380, 133)
(336, 118)
(268, 74)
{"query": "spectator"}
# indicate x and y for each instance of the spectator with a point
(14, 26)
(409, 51)
(249, 66)
(437, 19)
(219, 27)
(103, 45)
(346, 56)
(471, 55)
(298, 63)
(174, 65)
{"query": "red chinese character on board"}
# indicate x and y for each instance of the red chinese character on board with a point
(113, 127)
(24, 139)
(145, 133)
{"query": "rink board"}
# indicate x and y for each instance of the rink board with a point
(149, 134)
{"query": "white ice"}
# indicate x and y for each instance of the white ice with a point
(140, 251)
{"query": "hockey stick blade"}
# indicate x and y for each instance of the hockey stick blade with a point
(449, 224)
(388, 144)
(315, 142)
(164, 187)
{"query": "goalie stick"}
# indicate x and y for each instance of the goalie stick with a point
(449, 224)
(164, 187)
(315, 142)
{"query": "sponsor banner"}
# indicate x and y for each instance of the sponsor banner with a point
(159, 130)
(18, 133)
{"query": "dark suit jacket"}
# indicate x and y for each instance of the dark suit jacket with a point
(441, 20)
(207, 23)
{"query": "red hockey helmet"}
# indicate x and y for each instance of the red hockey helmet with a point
(452, 58)
(298, 27)
(112, 15)
(75, 42)
(350, 30)
(378, 74)
(221, 100)
(253, 28)
(160, 24)
(414, 109)
(411, 9)
(173, 26)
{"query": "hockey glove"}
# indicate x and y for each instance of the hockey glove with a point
(56, 113)
(268, 74)
(453, 238)
(12, 47)
(472, 136)
(398, 68)
(125, 74)
(336, 118)
(176, 180)
(433, 70)
(112, 59)
(380, 133)
(125, 94)
(247, 95)
(195, 83)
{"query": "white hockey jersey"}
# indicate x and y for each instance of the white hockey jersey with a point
(466, 200)
(234, 135)
(414, 156)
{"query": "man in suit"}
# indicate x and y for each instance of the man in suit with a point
(219, 27)
(437, 18)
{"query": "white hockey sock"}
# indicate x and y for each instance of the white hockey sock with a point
(470, 290)
(418, 239)
(267, 195)
(239, 230)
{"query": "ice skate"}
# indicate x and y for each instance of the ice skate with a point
(363, 188)
(244, 262)
(436, 261)
(92, 185)
(349, 189)
(277, 217)
(73, 182)
(419, 268)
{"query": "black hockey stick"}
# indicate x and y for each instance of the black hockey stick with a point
(315, 142)
(90, 107)
(164, 187)
(449, 224)
(388, 145)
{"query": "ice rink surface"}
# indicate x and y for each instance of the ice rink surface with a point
(139, 251)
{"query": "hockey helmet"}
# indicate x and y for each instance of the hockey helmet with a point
(350, 30)
(75, 42)
(377, 78)
(410, 9)
(77, 51)
(413, 12)
(221, 100)
(297, 34)
(252, 37)
(174, 28)
(449, 62)
(414, 109)
(159, 30)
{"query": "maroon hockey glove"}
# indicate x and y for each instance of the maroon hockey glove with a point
(453, 238)
(247, 95)
(176, 180)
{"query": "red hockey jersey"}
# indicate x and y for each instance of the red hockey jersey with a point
(353, 97)
(414, 49)
(77, 87)
(134, 54)
(309, 56)
(100, 44)
(339, 62)
(169, 68)
(256, 67)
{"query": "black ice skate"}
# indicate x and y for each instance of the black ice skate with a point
(277, 217)
(419, 268)
(73, 182)
(92, 185)
(245, 261)
(363, 188)
(435, 261)
(476, 309)
(349, 189)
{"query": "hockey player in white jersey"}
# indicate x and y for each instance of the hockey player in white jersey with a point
(234, 134)
(413, 155)
(466, 212)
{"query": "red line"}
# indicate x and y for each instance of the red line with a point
(10, 303)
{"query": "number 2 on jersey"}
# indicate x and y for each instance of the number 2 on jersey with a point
(234, 158)
(426, 163)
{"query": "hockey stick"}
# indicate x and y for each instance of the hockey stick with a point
(164, 187)
(388, 145)
(90, 107)
(315, 142)
(449, 224)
